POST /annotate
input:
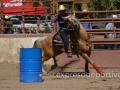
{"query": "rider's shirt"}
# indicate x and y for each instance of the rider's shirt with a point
(60, 20)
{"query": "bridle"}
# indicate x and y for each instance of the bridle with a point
(70, 24)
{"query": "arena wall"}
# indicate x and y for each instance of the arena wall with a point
(10, 48)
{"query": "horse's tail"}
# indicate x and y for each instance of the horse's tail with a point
(34, 46)
(38, 43)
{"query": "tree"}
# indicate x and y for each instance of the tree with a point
(104, 5)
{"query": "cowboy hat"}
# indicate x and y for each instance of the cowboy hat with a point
(61, 8)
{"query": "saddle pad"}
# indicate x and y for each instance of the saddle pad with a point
(57, 40)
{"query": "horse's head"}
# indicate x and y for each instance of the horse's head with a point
(72, 21)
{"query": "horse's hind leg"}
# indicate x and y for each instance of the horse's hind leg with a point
(44, 58)
(55, 68)
(86, 57)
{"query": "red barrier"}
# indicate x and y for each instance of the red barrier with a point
(17, 6)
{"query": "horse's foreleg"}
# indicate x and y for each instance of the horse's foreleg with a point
(86, 67)
(44, 58)
(85, 56)
(87, 63)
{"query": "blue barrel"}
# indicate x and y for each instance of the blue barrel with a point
(30, 65)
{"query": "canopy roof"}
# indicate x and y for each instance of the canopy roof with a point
(16, 7)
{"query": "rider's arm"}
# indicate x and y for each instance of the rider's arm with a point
(53, 22)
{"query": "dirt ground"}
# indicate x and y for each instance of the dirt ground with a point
(9, 80)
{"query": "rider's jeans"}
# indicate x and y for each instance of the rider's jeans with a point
(64, 37)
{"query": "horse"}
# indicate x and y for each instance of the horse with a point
(82, 45)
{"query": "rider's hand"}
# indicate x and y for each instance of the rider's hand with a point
(53, 24)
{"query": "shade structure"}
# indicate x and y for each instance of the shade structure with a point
(16, 7)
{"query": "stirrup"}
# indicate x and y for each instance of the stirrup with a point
(69, 54)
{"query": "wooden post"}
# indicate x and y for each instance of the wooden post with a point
(2, 17)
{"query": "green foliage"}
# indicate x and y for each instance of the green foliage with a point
(46, 4)
(34, 3)
(77, 7)
(104, 5)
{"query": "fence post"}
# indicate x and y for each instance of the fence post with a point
(2, 17)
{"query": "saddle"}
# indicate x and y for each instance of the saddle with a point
(57, 40)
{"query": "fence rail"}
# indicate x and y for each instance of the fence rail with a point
(95, 40)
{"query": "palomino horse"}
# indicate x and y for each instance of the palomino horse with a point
(46, 66)
(82, 45)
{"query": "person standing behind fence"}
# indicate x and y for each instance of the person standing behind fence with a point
(86, 25)
(8, 25)
(111, 35)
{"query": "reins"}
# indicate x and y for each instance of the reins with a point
(78, 27)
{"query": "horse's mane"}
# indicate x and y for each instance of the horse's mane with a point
(80, 32)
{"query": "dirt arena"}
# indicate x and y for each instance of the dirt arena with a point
(9, 80)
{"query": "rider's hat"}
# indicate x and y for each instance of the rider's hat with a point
(61, 8)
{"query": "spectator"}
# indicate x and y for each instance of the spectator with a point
(8, 24)
(86, 26)
(111, 35)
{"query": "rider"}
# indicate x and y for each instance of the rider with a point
(59, 18)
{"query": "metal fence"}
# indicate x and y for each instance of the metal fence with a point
(42, 26)
(25, 21)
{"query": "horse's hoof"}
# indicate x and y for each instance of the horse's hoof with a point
(51, 73)
(101, 73)
(98, 70)
(55, 71)
(87, 72)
